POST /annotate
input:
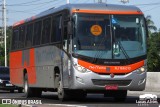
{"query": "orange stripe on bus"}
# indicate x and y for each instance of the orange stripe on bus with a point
(111, 69)
(16, 67)
(105, 11)
(31, 69)
(18, 23)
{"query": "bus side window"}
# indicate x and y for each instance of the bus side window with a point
(46, 30)
(29, 34)
(15, 39)
(56, 29)
(53, 33)
(65, 25)
(37, 33)
(21, 36)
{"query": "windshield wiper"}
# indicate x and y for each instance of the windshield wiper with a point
(98, 53)
(123, 50)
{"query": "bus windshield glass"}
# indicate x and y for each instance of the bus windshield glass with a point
(109, 36)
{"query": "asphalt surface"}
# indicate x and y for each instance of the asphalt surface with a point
(50, 99)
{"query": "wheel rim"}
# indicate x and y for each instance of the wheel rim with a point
(26, 87)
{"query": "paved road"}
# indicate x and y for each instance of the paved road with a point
(50, 99)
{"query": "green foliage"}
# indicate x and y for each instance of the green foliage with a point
(2, 52)
(2, 56)
(153, 52)
(7, 105)
(153, 43)
(9, 33)
(150, 25)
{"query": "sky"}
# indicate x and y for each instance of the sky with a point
(22, 9)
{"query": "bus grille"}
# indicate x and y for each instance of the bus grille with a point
(111, 82)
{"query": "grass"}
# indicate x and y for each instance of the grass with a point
(7, 105)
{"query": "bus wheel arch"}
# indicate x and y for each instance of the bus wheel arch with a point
(24, 73)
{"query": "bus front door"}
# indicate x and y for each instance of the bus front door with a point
(65, 58)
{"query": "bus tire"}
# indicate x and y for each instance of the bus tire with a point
(20, 90)
(82, 95)
(12, 91)
(27, 89)
(79, 94)
(120, 96)
(37, 92)
(62, 93)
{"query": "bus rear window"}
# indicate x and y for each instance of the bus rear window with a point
(15, 39)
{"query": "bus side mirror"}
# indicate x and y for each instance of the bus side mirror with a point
(69, 28)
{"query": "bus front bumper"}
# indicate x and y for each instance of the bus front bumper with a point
(93, 81)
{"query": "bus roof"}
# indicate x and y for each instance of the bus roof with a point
(99, 7)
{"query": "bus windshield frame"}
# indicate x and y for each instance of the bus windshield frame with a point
(109, 42)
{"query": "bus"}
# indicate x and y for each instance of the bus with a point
(77, 49)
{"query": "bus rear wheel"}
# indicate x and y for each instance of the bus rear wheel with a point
(27, 89)
(20, 90)
(36, 92)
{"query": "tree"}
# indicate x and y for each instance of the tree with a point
(2, 52)
(153, 52)
(1, 56)
(153, 44)
(150, 25)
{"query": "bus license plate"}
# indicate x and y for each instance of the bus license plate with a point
(111, 87)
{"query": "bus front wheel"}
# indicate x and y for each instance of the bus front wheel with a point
(120, 96)
(62, 93)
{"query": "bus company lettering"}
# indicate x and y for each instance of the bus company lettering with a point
(97, 67)
(122, 68)
(115, 68)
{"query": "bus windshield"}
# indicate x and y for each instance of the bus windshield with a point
(109, 36)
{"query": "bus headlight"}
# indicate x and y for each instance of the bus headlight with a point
(80, 68)
(141, 70)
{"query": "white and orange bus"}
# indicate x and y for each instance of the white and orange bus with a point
(77, 49)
